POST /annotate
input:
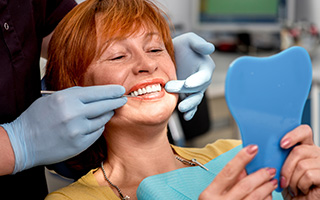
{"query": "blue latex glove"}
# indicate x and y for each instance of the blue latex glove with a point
(194, 71)
(59, 126)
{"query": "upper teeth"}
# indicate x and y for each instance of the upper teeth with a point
(146, 90)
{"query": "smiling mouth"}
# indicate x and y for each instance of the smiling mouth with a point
(147, 90)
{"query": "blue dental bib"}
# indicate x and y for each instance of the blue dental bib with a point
(186, 183)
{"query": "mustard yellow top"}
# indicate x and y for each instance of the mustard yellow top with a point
(87, 188)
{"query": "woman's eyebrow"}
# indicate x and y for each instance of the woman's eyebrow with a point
(147, 36)
(105, 45)
(112, 40)
(153, 37)
(151, 34)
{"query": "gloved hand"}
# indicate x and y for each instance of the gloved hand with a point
(194, 71)
(59, 126)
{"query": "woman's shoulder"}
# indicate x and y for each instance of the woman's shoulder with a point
(85, 188)
(209, 152)
(221, 146)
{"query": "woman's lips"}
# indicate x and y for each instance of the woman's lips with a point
(148, 89)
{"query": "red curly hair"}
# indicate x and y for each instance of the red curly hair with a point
(74, 46)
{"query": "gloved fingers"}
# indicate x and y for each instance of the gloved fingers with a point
(90, 126)
(96, 93)
(77, 146)
(101, 121)
(202, 77)
(97, 126)
(178, 86)
(199, 45)
(195, 42)
(95, 109)
(89, 139)
(98, 122)
(190, 102)
(189, 115)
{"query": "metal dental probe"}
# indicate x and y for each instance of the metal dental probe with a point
(48, 92)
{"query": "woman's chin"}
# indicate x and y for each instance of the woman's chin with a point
(146, 112)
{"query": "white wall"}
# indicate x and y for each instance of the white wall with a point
(308, 10)
(179, 11)
(315, 12)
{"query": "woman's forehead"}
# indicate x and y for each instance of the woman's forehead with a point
(105, 39)
(136, 28)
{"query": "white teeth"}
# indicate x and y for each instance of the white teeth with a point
(149, 89)
(146, 90)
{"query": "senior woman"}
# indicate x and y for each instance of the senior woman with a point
(128, 43)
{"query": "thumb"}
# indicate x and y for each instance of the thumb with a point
(200, 45)
(176, 86)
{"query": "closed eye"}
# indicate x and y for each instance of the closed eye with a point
(117, 58)
(156, 50)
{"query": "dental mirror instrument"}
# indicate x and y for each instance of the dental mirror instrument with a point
(266, 97)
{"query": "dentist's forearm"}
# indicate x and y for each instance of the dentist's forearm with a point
(6, 154)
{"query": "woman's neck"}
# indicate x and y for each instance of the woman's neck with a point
(145, 149)
(135, 154)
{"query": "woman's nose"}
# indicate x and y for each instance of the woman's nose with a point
(145, 64)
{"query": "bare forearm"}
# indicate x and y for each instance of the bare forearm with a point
(6, 154)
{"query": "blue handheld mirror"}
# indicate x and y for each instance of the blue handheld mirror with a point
(266, 97)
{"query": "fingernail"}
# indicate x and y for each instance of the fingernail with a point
(252, 149)
(272, 171)
(285, 143)
(283, 182)
(274, 182)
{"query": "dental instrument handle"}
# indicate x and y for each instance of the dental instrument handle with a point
(47, 92)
